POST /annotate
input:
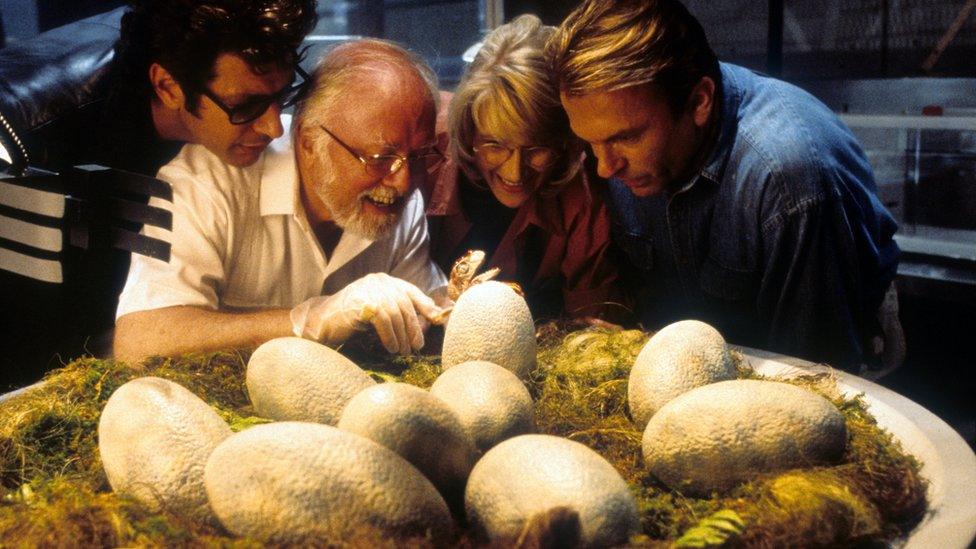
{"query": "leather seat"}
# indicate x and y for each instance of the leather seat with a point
(50, 90)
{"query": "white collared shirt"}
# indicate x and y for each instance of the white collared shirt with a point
(241, 241)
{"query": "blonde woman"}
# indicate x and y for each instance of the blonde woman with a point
(514, 187)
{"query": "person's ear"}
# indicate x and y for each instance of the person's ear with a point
(306, 144)
(702, 100)
(166, 88)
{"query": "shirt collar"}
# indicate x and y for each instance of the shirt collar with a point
(280, 196)
(729, 102)
(444, 196)
(542, 211)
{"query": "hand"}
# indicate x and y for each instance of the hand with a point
(393, 307)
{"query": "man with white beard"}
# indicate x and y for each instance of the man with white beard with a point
(323, 236)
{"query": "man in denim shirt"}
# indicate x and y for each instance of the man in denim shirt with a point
(738, 199)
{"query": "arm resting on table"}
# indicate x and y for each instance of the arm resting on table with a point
(177, 330)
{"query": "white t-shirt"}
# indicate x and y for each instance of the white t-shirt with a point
(241, 241)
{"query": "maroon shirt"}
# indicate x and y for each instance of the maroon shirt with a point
(567, 235)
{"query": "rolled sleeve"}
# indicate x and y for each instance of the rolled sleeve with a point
(195, 270)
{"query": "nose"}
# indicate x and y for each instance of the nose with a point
(400, 179)
(269, 123)
(608, 162)
(511, 169)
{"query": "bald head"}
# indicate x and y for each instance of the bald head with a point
(368, 70)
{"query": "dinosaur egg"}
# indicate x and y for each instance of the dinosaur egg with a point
(309, 484)
(491, 402)
(154, 438)
(419, 427)
(491, 322)
(531, 475)
(678, 358)
(716, 436)
(294, 379)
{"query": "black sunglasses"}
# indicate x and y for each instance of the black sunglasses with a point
(256, 106)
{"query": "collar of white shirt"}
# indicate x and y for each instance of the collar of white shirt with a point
(279, 196)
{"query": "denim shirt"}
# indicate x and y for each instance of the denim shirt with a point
(779, 241)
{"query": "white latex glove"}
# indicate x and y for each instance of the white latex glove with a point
(390, 305)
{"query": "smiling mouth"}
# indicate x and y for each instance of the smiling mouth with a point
(511, 187)
(382, 197)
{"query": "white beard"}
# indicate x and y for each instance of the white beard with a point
(350, 216)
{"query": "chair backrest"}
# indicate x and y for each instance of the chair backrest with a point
(65, 241)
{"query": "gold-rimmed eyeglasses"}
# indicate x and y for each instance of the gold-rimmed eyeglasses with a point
(493, 154)
(383, 165)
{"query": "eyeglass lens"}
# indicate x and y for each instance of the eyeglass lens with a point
(383, 165)
(252, 110)
(494, 155)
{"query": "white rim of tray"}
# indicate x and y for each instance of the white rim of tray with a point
(948, 463)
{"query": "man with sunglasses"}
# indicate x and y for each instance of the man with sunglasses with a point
(739, 200)
(324, 235)
(213, 72)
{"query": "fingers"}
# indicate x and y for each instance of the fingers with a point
(421, 302)
(394, 308)
(396, 321)
(385, 325)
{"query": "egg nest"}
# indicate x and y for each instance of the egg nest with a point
(55, 493)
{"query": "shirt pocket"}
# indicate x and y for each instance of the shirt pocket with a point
(727, 283)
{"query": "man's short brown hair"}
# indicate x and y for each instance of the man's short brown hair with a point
(606, 45)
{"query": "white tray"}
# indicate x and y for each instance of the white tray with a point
(948, 463)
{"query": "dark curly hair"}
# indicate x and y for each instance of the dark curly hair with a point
(187, 36)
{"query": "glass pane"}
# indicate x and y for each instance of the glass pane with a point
(438, 31)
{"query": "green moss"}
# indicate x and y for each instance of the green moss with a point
(55, 492)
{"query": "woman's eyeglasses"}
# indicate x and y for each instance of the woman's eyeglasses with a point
(383, 165)
(253, 108)
(493, 154)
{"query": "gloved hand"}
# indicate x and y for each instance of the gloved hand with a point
(389, 304)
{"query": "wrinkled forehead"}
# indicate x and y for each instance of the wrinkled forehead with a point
(381, 94)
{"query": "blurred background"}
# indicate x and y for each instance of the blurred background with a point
(899, 72)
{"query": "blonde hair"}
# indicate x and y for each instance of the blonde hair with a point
(341, 65)
(606, 45)
(508, 89)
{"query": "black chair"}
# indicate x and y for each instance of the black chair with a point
(51, 89)
(65, 241)
(65, 232)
